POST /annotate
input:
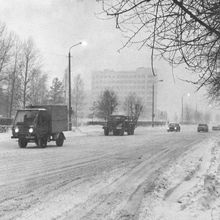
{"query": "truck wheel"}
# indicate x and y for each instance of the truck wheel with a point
(106, 132)
(121, 132)
(60, 140)
(129, 131)
(36, 141)
(22, 142)
(42, 142)
(115, 132)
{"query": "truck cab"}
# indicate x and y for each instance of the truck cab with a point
(39, 125)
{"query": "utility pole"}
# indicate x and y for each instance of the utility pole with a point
(182, 110)
(153, 105)
(153, 100)
(70, 108)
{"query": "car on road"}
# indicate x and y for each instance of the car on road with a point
(173, 127)
(202, 127)
(216, 128)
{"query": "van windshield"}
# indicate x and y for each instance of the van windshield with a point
(25, 116)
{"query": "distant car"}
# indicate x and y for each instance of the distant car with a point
(216, 128)
(173, 127)
(202, 127)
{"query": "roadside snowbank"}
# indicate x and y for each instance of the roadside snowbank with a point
(190, 188)
(5, 136)
(84, 131)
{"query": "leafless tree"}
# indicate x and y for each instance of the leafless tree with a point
(14, 71)
(21, 78)
(56, 93)
(6, 44)
(31, 63)
(9, 67)
(39, 92)
(181, 31)
(133, 105)
(93, 110)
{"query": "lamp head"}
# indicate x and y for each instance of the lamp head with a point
(84, 43)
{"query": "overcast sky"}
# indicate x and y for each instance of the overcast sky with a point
(56, 25)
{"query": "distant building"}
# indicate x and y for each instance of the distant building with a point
(140, 81)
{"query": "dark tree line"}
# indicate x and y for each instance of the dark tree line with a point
(181, 31)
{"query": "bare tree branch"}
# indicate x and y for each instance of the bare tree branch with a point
(180, 31)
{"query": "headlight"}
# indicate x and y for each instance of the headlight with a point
(175, 128)
(16, 130)
(31, 130)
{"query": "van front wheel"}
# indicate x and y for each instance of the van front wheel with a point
(42, 142)
(22, 142)
(60, 139)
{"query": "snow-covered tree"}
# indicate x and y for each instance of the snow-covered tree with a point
(107, 103)
(133, 105)
(56, 92)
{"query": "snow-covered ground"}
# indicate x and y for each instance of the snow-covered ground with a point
(153, 175)
(84, 130)
(189, 188)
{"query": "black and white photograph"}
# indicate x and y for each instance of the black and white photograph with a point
(109, 110)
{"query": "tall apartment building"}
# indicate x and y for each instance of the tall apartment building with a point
(140, 81)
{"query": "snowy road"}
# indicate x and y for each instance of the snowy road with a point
(93, 176)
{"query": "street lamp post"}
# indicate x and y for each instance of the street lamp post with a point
(153, 95)
(153, 105)
(69, 106)
(188, 94)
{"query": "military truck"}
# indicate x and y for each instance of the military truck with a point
(40, 124)
(119, 124)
